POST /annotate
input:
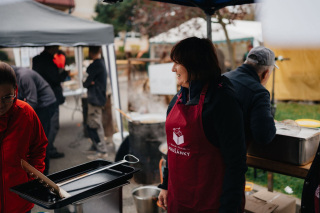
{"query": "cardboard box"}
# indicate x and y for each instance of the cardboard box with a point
(268, 202)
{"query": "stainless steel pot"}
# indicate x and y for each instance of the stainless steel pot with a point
(298, 150)
(110, 201)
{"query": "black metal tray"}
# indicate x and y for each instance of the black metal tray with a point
(83, 188)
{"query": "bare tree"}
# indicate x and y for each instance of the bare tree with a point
(153, 18)
(230, 14)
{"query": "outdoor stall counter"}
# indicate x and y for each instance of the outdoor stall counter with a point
(105, 185)
(286, 154)
(297, 149)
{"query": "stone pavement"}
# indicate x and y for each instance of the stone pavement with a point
(72, 142)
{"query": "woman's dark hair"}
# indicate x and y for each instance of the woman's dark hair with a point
(198, 56)
(7, 75)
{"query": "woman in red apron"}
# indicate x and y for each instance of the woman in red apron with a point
(206, 161)
(21, 137)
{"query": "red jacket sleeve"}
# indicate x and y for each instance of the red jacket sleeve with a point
(38, 145)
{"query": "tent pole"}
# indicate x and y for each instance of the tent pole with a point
(209, 29)
(80, 67)
(76, 57)
(111, 66)
(17, 58)
(273, 105)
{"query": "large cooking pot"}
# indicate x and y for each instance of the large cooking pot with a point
(146, 133)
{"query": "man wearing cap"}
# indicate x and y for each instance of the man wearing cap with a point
(249, 81)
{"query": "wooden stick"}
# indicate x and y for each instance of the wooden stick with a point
(124, 114)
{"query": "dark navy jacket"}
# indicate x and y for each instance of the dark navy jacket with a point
(222, 121)
(98, 74)
(33, 88)
(255, 99)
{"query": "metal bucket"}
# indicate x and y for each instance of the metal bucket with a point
(145, 198)
(146, 133)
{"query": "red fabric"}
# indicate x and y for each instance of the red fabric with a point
(23, 138)
(59, 60)
(196, 167)
(316, 200)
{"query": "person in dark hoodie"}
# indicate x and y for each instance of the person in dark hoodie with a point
(34, 90)
(45, 66)
(249, 81)
(96, 82)
(206, 160)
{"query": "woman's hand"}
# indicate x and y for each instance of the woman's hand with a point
(163, 196)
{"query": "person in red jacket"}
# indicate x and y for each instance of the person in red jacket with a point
(21, 137)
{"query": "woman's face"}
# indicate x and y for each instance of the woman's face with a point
(5, 91)
(182, 75)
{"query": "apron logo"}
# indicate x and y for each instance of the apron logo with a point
(177, 136)
(174, 150)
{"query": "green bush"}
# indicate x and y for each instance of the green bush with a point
(121, 49)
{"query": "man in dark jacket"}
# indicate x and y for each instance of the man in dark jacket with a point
(249, 80)
(44, 65)
(34, 90)
(96, 82)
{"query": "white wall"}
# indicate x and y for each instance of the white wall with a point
(85, 9)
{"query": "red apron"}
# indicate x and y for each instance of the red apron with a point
(196, 167)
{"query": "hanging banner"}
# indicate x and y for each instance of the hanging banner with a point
(162, 80)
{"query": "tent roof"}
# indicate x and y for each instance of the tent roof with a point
(239, 30)
(29, 23)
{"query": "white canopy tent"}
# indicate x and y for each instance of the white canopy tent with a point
(26, 23)
(238, 30)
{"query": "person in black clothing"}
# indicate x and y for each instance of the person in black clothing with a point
(44, 65)
(206, 162)
(249, 80)
(96, 82)
(34, 90)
